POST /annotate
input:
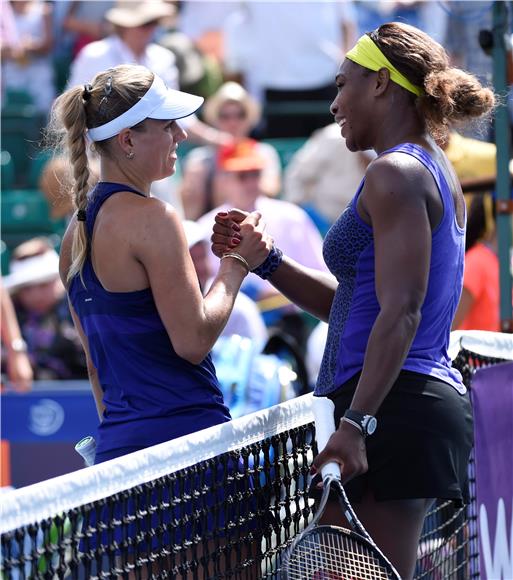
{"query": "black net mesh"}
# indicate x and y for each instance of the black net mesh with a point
(227, 517)
(449, 544)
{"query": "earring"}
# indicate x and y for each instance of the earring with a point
(130, 155)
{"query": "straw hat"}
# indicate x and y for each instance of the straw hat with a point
(33, 270)
(131, 13)
(231, 92)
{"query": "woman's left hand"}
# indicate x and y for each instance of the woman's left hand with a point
(347, 448)
(226, 230)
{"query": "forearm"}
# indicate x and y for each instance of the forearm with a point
(199, 336)
(10, 329)
(388, 345)
(310, 289)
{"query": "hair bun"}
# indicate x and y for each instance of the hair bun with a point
(458, 94)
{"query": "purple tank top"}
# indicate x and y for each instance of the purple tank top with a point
(151, 395)
(349, 254)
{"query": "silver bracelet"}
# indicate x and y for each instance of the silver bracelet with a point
(241, 259)
(353, 423)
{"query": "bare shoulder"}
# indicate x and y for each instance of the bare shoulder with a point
(155, 231)
(155, 217)
(397, 178)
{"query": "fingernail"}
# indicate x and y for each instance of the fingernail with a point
(235, 241)
(222, 214)
(236, 227)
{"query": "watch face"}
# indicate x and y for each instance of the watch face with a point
(371, 425)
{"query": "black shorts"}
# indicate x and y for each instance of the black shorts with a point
(422, 444)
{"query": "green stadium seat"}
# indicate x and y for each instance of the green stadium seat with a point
(286, 147)
(14, 98)
(5, 256)
(7, 169)
(21, 134)
(37, 164)
(26, 212)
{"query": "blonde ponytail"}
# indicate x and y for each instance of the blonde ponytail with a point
(111, 93)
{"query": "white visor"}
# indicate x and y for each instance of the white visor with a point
(159, 102)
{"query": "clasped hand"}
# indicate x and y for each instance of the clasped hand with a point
(241, 232)
(347, 448)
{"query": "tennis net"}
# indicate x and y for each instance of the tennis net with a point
(220, 503)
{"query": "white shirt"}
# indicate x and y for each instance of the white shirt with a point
(246, 320)
(286, 45)
(324, 173)
(112, 51)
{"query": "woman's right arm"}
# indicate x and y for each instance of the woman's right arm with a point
(64, 264)
(193, 322)
(91, 369)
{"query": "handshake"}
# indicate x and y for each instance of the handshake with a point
(241, 235)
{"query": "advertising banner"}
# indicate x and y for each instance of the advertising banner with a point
(492, 395)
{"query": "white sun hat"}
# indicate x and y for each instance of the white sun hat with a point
(131, 13)
(33, 270)
(159, 102)
(195, 233)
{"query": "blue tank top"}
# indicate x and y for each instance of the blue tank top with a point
(151, 395)
(349, 254)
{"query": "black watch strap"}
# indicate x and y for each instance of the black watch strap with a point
(365, 423)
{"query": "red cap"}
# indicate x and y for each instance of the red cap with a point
(243, 156)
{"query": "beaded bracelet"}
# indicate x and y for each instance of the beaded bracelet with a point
(238, 257)
(270, 264)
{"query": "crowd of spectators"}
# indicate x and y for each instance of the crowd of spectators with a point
(267, 72)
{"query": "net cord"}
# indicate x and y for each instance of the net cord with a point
(37, 502)
(481, 342)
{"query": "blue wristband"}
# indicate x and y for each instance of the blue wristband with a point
(270, 264)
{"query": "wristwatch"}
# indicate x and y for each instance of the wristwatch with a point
(365, 423)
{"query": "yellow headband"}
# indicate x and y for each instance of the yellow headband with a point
(366, 53)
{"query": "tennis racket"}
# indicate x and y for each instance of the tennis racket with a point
(329, 552)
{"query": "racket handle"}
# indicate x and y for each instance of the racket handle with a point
(324, 410)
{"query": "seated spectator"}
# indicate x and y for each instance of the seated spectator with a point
(313, 177)
(15, 361)
(41, 305)
(26, 62)
(197, 73)
(233, 111)
(471, 158)
(134, 26)
(479, 306)
(245, 319)
(241, 168)
(86, 20)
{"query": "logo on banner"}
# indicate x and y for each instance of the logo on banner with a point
(46, 417)
(497, 557)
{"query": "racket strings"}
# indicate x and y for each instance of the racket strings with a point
(334, 556)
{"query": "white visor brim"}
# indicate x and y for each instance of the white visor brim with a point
(158, 102)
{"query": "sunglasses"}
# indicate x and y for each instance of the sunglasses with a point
(240, 115)
(248, 175)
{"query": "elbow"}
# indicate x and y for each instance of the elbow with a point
(405, 314)
(193, 353)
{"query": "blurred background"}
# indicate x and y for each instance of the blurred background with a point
(266, 70)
